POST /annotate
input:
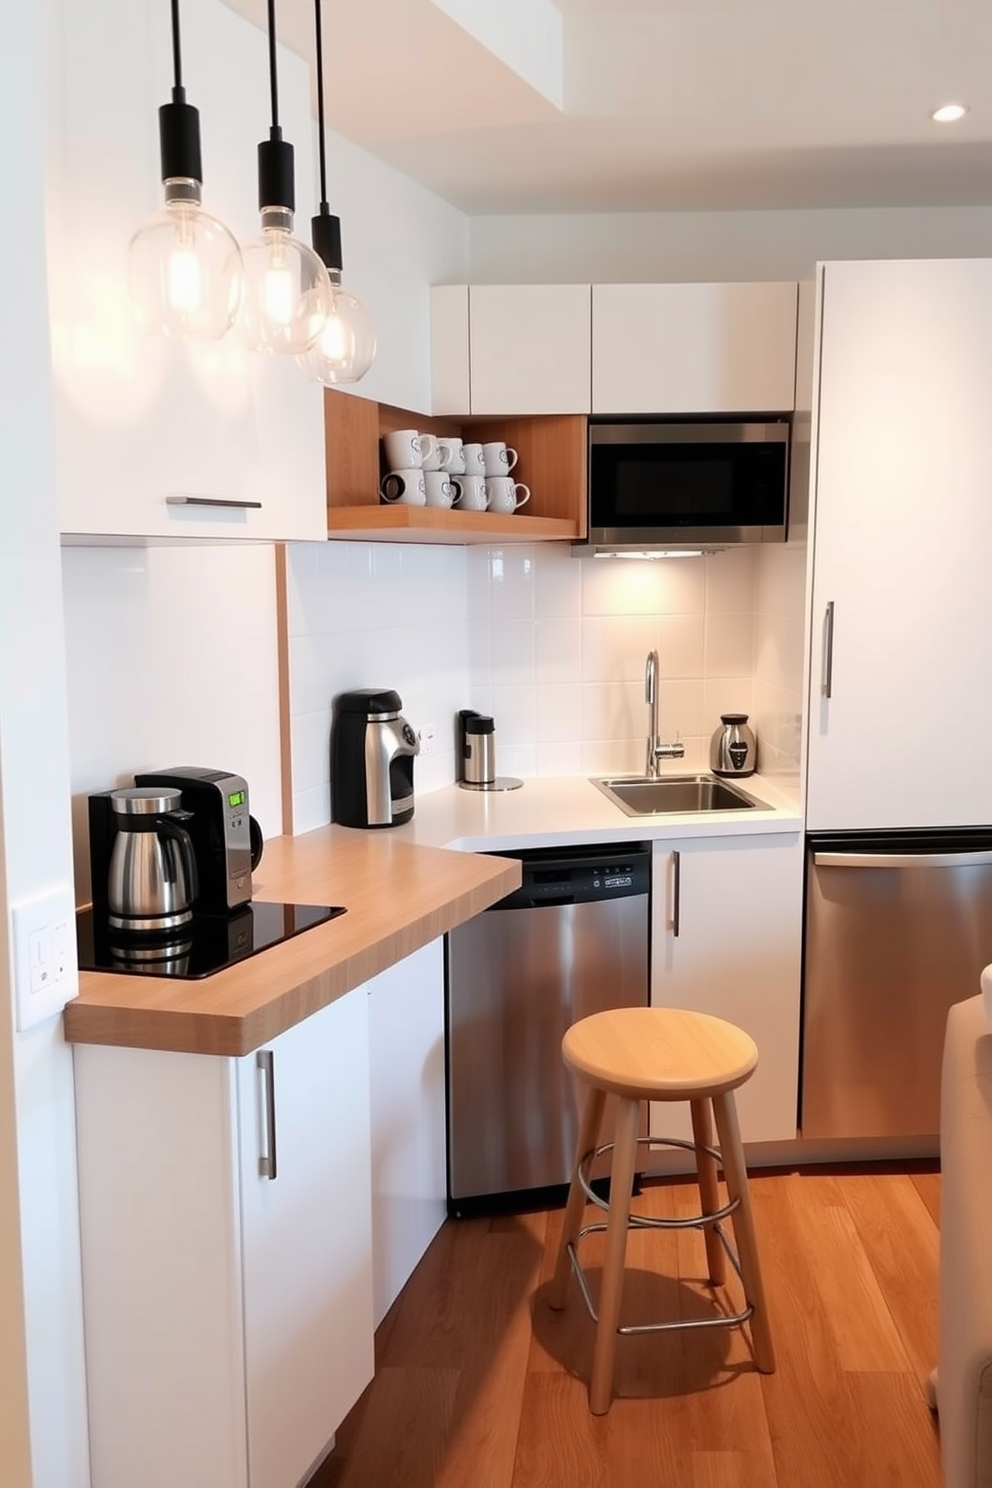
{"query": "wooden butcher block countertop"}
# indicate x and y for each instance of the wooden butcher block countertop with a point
(398, 895)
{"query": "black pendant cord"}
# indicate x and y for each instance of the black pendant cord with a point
(273, 78)
(320, 106)
(178, 92)
(325, 228)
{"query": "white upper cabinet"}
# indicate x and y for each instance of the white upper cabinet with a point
(903, 533)
(510, 348)
(693, 348)
(148, 429)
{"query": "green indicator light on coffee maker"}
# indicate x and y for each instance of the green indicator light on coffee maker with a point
(237, 798)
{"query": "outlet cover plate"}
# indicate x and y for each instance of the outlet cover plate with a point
(44, 941)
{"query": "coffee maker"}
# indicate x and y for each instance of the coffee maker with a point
(372, 753)
(227, 841)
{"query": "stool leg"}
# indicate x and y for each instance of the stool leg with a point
(592, 1115)
(621, 1183)
(735, 1172)
(709, 1192)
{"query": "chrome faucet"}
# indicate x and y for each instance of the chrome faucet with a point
(656, 749)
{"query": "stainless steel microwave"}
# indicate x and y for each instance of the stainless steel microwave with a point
(678, 486)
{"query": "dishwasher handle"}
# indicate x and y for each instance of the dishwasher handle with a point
(901, 860)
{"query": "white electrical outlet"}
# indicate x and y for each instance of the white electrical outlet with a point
(45, 975)
(427, 734)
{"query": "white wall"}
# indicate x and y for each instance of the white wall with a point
(42, 1401)
(629, 247)
(171, 661)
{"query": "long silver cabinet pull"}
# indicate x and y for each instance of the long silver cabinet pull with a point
(828, 650)
(265, 1064)
(676, 891)
(902, 860)
(212, 501)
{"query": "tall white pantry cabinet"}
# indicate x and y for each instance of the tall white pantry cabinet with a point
(900, 705)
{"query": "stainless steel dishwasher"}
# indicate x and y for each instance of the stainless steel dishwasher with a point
(898, 927)
(571, 941)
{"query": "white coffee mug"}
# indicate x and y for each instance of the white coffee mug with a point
(403, 449)
(498, 458)
(455, 463)
(405, 486)
(433, 452)
(474, 462)
(440, 490)
(506, 494)
(472, 492)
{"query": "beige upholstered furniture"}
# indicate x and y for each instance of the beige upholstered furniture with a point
(964, 1383)
(660, 1054)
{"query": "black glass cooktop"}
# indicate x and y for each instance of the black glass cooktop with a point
(208, 944)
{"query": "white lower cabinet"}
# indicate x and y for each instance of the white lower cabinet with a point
(726, 939)
(409, 1182)
(228, 1314)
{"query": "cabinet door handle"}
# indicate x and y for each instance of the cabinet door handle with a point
(828, 650)
(212, 501)
(265, 1064)
(676, 891)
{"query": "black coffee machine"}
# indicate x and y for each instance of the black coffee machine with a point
(227, 841)
(372, 752)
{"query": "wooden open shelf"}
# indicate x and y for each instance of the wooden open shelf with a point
(552, 462)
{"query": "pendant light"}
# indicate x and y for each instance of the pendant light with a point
(345, 348)
(184, 266)
(287, 292)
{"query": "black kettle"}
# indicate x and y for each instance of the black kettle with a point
(733, 749)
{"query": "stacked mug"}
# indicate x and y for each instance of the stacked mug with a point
(427, 471)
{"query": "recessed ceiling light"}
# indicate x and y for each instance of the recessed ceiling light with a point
(949, 113)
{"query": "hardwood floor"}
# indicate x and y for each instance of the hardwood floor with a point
(479, 1383)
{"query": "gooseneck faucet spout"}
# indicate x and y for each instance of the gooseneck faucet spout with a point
(656, 749)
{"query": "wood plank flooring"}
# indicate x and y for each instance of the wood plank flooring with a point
(479, 1383)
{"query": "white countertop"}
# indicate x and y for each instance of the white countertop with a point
(556, 811)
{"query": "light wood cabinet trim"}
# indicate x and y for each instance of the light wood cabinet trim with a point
(351, 442)
(399, 897)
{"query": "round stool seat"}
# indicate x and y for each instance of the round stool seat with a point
(659, 1053)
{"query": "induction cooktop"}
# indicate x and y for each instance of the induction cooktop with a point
(207, 944)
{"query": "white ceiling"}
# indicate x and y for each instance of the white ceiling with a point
(667, 104)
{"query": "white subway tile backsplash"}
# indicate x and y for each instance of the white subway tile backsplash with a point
(558, 713)
(553, 648)
(511, 583)
(729, 645)
(557, 583)
(730, 581)
(557, 651)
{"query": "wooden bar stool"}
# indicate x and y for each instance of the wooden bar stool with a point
(660, 1054)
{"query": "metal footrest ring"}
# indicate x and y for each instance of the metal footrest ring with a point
(646, 1221)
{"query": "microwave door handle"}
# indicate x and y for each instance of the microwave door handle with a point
(902, 860)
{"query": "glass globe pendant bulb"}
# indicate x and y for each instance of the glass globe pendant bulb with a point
(345, 349)
(184, 269)
(287, 292)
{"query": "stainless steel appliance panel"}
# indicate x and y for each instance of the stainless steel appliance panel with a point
(898, 927)
(517, 979)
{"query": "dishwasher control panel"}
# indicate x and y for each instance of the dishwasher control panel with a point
(561, 876)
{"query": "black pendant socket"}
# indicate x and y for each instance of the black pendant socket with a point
(276, 185)
(179, 139)
(325, 235)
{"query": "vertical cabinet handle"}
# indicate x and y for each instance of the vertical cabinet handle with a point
(676, 891)
(828, 650)
(265, 1065)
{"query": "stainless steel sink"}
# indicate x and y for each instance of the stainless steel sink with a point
(638, 795)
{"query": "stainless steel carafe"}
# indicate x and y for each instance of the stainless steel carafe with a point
(733, 750)
(151, 881)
